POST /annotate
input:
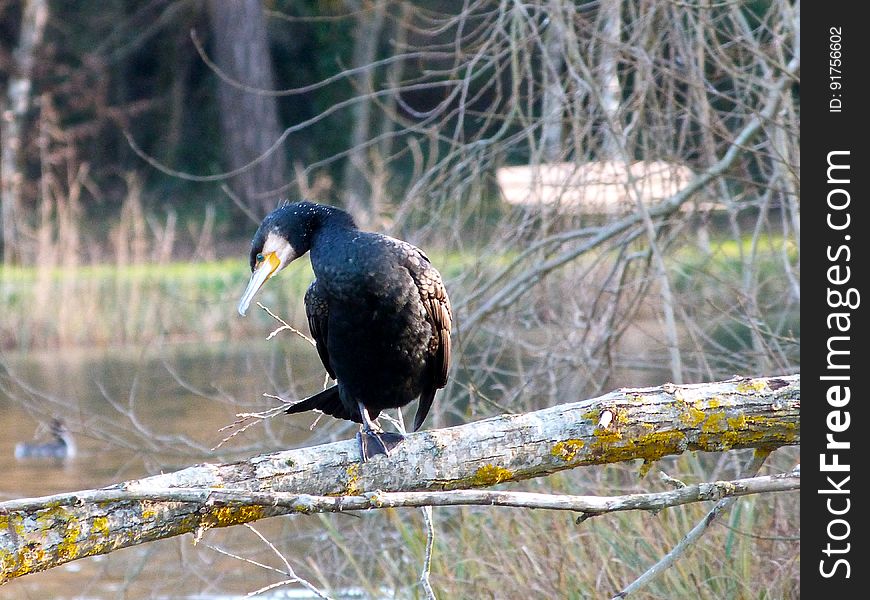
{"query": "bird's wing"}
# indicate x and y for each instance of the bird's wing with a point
(438, 313)
(317, 311)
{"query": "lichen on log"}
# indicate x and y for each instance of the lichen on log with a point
(626, 424)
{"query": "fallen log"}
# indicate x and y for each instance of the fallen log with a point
(626, 424)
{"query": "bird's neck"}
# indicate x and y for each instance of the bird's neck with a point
(329, 222)
(332, 217)
(333, 247)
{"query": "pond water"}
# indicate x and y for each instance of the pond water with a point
(137, 412)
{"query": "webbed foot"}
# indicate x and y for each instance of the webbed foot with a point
(373, 443)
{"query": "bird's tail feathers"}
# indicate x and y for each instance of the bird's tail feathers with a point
(326, 401)
(423, 407)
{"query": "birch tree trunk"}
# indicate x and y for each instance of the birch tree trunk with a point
(553, 102)
(610, 28)
(13, 111)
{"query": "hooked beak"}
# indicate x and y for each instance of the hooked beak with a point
(261, 274)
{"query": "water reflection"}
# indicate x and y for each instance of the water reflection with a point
(137, 412)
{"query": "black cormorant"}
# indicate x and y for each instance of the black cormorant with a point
(377, 310)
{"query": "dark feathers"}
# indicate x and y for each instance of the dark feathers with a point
(377, 310)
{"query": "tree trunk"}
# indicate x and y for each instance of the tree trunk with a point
(13, 111)
(645, 423)
(249, 120)
(553, 102)
(358, 199)
(610, 27)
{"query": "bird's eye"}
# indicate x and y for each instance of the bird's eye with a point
(260, 257)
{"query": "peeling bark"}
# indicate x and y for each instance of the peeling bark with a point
(642, 423)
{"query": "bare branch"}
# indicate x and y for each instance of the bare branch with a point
(645, 423)
(309, 504)
(430, 543)
(510, 291)
(697, 531)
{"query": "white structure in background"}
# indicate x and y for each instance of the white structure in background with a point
(598, 187)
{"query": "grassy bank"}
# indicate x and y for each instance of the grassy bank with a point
(133, 304)
(106, 304)
(136, 304)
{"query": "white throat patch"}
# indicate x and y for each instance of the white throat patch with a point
(281, 247)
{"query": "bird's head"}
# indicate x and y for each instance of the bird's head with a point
(283, 236)
(272, 249)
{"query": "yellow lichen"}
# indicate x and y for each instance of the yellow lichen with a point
(749, 432)
(224, 516)
(26, 560)
(649, 446)
(57, 517)
(644, 468)
(567, 449)
(738, 422)
(748, 386)
(68, 547)
(605, 436)
(352, 486)
(490, 475)
(100, 526)
(592, 415)
(715, 422)
(656, 445)
(15, 564)
(693, 417)
(764, 422)
(620, 416)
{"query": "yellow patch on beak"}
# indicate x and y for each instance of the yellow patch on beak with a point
(262, 272)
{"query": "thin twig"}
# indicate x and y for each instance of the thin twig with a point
(758, 458)
(427, 559)
(306, 503)
(250, 419)
(291, 573)
(285, 326)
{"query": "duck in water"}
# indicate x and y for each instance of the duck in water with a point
(61, 446)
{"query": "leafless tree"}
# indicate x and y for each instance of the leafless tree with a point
(704, 87)
(687, 274)
(358, 196)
